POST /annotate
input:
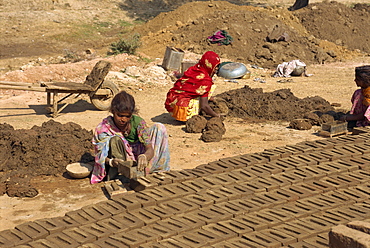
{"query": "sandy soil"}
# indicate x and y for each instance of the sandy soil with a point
(59, 194)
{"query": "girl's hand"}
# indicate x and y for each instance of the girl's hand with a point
(142, 162)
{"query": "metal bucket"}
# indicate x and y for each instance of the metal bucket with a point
(172, 58)
(186, 64)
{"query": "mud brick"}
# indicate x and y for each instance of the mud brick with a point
(99, 229)
(13, 237)
(241, 190)
(294, 230)
(204, 235)
(96, 212)
(67, 221)
(181, 205)
(208, 181)
(180, 176)
(196, 184)
(362, 226)
(292, 161)
(147, 216)
(62, 240)
(246, 160)
(241, 175)
(171, 243)
(314, 172)
(159, 195)
(128, 202)
(190, 240)
(201, 200)
(222, 179)
(127, 219)
(261, 239)
(266, 216)
(161, 231)
(277, 214)
(52, 225)
(317, 241)
(333, 182)
(331, 168)
(301, 245)
(246, 206)
(340, 196)
(111, 207)
(217, 167)
(135, 237)
(212, 214)
(143, 183)
(304, 159)
(179, 189)
(268, 199)
(80, 216)
(258, 171)
(306, 208)
(359, 210)
(347, 213)
(33, 230)
(302, 147)
(243, 241)
(271, 168)
(199, 172)
(316, 186)
(338, 217)
(253, 186)
(214, 194)
(291, 177)
(239, 228)
(360, 175)
(353, 163)
(161, 178)
(234, 162)
(314, 203)
(308, 228)
(300, 190)
(318, 156)
(343, 236)
(182, 223)
(257, 156)
(363, 148)
(111, 243)
(271, 154)
(290, 209)
(351, 151)
(229, 192)
(321, 224)
(303, 173)
(281, 181)
(255, 222)
(162, 211)
(283, 237)
(79, 235)
(268, 183)
(346, 179)
(232, 207)
(288, 195)
(355, 194)
(227, 244)
(324, 144)
(364, 189)
(278, 150)
(142, 199)
(112, 224)
(286, 151)
(40, 243)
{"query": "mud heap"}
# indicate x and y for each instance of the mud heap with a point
(319, 33)
(41, 150)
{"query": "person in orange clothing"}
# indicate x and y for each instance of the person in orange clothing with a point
(191, 92)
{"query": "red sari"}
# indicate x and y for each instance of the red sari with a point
(196, 82)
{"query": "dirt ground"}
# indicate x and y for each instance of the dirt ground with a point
(35, 148)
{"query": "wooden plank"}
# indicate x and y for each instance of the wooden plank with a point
(18, 83)
(31, 88)
(70, 86)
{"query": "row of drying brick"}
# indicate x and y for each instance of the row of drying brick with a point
(207, 206)
(149, 200)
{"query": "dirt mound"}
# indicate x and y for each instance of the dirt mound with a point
(336, 28)
(277, 105)
(41, 150)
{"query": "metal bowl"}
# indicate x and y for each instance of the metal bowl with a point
(79, 170)
(231, 70)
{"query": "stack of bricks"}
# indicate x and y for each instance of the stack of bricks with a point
(355, 234)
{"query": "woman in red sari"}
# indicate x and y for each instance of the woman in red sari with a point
(191, 92)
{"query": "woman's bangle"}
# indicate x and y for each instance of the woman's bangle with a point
(110, 162)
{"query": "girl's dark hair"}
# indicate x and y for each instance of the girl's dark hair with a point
(363, 72)
(122, 102)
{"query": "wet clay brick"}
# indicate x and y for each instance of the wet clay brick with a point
(261, 240)
(161, 178)
(363, 226)
(145, 215)
(161, 231)
(80, 216)
(178, 224)
(294, 230)
(144, 200)
(217, 167)
(33, 230)
(143, 183)
(96, 212)
(79, 235)
(111, 207)
(113, 225)
(232, 207)
(179, 176)
(271, 154)
(128, 202)
(179, 189)
(191, 240)
(111, 243)
(135, 237)
(222, 179)
(13, 237)
(196, 184)
(129, 220)
(201, 200)
(271, 168)
(283, 237)
(62, 240)
(213, 194)
(241, 175)
(212, 214)
(181, 205)
(52, 225)
(239, 228)
(40, 243)
(98, 230)
(257, 171)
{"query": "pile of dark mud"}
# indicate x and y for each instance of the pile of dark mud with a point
(274, 106)
(41, 150)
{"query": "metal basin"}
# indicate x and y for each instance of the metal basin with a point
(231, 70)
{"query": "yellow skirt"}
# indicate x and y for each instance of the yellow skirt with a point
(185, 113)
